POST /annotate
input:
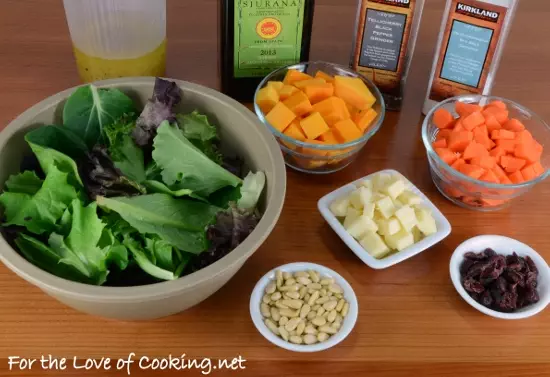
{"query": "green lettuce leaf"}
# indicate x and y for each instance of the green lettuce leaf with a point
(89, 109)
(225, 196)
(39, 212)
(179, 222)
(145, 261)
(201, 134)
(43, 257)
(252, 188)
(60, 138)
(185, 164)
(26, 182)
(156, 187)
(126, 155)
(115, 252)
(49, 157)
(80, 249)
(166, 256)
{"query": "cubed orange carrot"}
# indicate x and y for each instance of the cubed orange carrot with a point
(514, 125)
(489, 176)
(486, 162)
(528, 151)
(458, 126)
(503, 134)
(512, 164)
(446, 155)
(458, 163)
(492, 123)
(500, 115)
(516, 177)
(346, 131)
(473, 120)
(458, 141)
(532, 171)
(472, 171)
(492, 202)
(465, 109)
(441, 143)
(443, 134)
(507, 145)
(442, 118)
(497, 153)
(498, 104)
(481, 135)
(524, 137)
(499, 172)
(473, 150)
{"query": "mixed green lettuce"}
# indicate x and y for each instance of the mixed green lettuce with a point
(115, 198)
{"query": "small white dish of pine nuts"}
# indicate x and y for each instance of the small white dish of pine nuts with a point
(304, 307)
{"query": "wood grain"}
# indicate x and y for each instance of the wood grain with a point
(411, 320)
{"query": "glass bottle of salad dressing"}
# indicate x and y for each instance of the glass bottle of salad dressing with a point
(117, 38)
(383, 45)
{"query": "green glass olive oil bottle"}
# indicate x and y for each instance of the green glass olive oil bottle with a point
(259, 36)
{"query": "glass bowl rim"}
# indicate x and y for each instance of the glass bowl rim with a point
(330, 147)
(464, 177)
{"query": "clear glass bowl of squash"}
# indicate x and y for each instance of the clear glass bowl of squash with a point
(322, 114)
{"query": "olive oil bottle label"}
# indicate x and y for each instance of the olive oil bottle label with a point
(383, 32)
(268, 35)
(470, 41)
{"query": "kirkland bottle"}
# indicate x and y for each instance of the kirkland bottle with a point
(259, 36)
(385, 36)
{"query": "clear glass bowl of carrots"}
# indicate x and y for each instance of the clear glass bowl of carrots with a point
(485, 151)
(322, 114)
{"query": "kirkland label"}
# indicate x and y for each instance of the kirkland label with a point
(268, 35)
(382, 40)
(466, 53)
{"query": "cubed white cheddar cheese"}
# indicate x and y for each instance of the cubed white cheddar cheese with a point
(406, 217)
(380, 181)
(388, 227)
(365, 196)
(425, 222)
(368, 210)
(417, 234)
(351, 216)
(386, 207)
(410, 198)
(374, 245)
(339, 207)
(400, 240)
(355, 199)
(366, 183)
(397, 203)
(360, 226)
(395, 188)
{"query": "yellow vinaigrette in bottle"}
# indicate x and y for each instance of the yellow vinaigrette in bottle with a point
(93, 68)
(117, 38)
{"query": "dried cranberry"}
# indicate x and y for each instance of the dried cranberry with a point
(486, 299)
(475, 270)
(531, 264)
(508, 302)
(501, 284)
(475, 256)
(489, 252)
(531, 295)
(465, 266)
(472, 285)
(531, 279)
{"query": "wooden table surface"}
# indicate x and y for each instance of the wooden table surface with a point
(411, 319)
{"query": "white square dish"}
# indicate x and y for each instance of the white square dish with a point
(443, 225)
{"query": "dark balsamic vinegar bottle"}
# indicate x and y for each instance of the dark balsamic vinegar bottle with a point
(260, 36)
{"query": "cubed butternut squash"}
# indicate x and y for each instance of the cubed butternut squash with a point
(292, 76)
(331, 109)
(298, 103)
(280, 117)
(353, 91)
(314, 126)
(277, 85)
(267, 98)
(286, 91)
(318, 92)
(365, 118)
(302, 84)
(346, 131)
(325, 76)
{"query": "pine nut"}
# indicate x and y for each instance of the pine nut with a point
(340, 305)
(283, 333)
(311, 315)
(328, 329)
(276, 296)
(280, 305)
(322, 300)
(292, 324)
(271, 325)
(283, 321)
(306, 297)
(290, 281)
(314, 276)
(330, 305)
(300, 328)
(336, 325)
(313, 298)
(290, 288)
(286, 275)
(319, 321)
(314, 286)
(335, 288)
(275, 314)
(289, 313)
(315, 307)
(305, 311)
(266, 299)
(303, 281)
(264, 309)
(345, 309)
(303, 292)
(339, 296)
(310, 339)
(301, 274)
(292, 295)
(279, 278)
(294, 304)
(270, 289)
(331, 316)
(296, 339)
(329, 294)
(323, 292)
(322, 336)
(320, 312)
(327, 281)
(310, 330)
